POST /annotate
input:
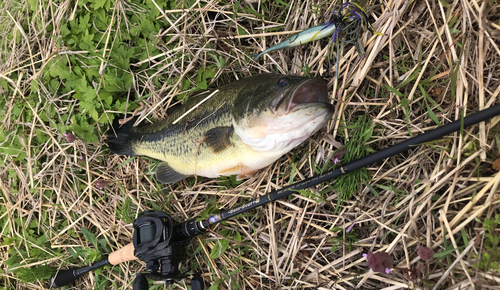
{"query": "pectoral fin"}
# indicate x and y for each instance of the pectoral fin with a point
(165, 174)
(219, 139)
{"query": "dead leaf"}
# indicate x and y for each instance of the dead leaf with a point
(496, 164)
(435, 92)
(495, 150)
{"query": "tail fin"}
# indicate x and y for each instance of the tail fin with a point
(120, 143)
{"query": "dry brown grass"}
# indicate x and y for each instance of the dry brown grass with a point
(288, 243)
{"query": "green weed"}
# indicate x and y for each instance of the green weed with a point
(311, 195)
(347, 239)
(210, 209)
(348, 185)
(125, 212)
(229, 181)
(490, 256)
(222, 244)
(37, 250)
(398, 192)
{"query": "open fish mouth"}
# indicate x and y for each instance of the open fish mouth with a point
(302, 110)
(311, 91)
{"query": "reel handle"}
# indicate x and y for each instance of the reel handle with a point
(122, 255)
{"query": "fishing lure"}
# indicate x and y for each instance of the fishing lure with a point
(305, 36)
(340, 19)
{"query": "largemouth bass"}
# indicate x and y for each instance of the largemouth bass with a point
(245, 126)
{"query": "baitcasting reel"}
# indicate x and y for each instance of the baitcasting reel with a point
(155, 245)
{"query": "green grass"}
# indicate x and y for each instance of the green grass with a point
(344, 239)
(489, 259)
(349, 185)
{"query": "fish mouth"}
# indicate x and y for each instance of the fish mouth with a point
(311, 91)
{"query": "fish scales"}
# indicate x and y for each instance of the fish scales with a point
(188, 129)
(181, 144)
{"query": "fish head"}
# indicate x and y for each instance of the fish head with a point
(281, 111)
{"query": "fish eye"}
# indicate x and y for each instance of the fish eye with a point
(283, 82)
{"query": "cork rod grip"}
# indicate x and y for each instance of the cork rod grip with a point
(122, 255)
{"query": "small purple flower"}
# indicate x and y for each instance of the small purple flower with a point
(70, 137)
(337, 156)
(425, 253)
(101, 183)
(350, 227)
(380, 262)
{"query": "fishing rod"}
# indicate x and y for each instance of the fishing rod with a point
(161, 244)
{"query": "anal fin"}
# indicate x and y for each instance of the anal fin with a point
(246, 174)
(218, 139)
(241, 170)
(165, 174)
